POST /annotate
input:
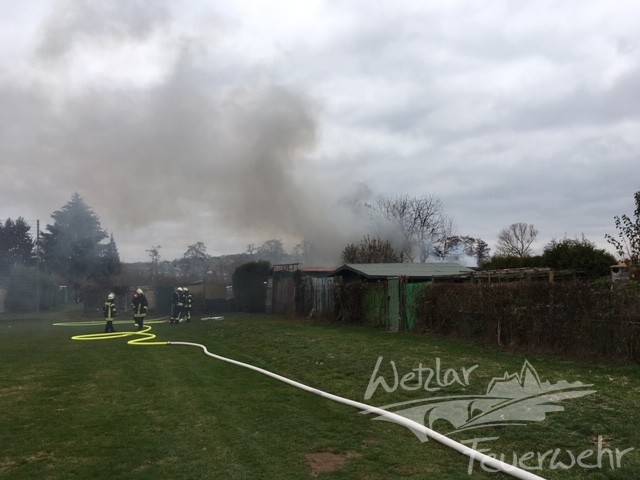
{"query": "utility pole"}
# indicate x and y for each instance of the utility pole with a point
(38, 266)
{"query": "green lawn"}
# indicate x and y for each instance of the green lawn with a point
(106, 409)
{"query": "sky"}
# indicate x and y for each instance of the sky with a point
(234, 123)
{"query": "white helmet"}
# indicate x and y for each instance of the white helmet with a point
(185, 289)
(179, 289)
(111, 296)
(139, 291)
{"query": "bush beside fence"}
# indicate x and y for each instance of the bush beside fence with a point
(588, 319)
(361, 303)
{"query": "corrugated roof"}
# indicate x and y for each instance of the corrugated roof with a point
(318, 269)
(414, 270)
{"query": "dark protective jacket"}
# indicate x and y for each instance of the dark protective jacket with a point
(139, 305)
(109, 310)
(178, 299)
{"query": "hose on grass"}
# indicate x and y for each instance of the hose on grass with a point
(492, 462)
(144, 337)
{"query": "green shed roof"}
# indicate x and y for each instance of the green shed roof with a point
(411, 270)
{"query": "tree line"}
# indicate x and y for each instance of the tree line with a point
(74, 250)
(579, 255)
(408, 228)
(71, 252)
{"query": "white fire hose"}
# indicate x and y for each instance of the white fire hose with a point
(393, 417)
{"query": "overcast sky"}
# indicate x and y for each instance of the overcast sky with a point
(233, 123)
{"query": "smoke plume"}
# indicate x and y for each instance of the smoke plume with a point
(163, 131)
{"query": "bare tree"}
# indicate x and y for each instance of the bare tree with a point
(154, 254)
(272, 251)
(305, 252)
(445, 241)
(195, 259)
(197, 251)
(627, 244)
(516, 240)
(370, 250)
(419, 221)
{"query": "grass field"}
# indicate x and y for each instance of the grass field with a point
(106, 409)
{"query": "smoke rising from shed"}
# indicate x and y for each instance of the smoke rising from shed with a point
(196, 147)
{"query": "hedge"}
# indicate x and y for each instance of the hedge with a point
(579, 318)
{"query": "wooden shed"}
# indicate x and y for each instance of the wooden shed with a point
(399, 284)
(413, 272)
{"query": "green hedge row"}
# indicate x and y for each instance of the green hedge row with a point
(590, 319)
(361, 303)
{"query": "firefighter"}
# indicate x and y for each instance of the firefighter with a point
(177, 306)
(188, 304)
(109, 310)
(139, 306)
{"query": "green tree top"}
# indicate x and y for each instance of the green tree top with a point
(71, 246)
(110, 258)
(16, 245)
(579, 255)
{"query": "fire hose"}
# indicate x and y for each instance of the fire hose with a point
(145, 337)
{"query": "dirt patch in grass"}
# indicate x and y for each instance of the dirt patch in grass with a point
(9, 463)
(323, 462)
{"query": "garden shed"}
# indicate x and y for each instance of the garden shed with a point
(414, 272)
(390, 289)
(292, 289)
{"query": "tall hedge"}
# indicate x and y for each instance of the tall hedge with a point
(591, 319)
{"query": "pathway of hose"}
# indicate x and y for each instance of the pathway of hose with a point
(144, 337)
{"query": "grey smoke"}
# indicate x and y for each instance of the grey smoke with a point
(201, 149)
(74, 21)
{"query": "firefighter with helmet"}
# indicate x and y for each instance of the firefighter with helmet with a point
(109, 310)
(139, 306)
(188, 304)
(177, 306)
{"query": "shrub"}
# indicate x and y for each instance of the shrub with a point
(594, 319)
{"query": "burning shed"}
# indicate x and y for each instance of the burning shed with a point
(413, 272)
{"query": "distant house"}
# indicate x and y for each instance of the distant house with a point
(623, 272)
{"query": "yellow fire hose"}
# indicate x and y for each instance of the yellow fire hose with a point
(143, 337)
